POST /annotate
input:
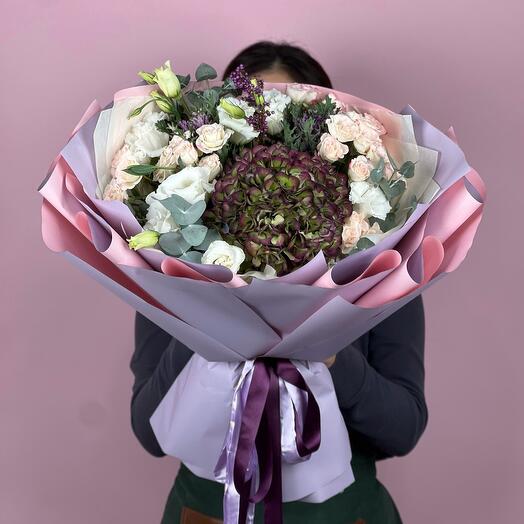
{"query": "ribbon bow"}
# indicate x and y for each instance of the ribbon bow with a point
(260, 430)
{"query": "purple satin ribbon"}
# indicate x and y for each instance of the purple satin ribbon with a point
(260, 429)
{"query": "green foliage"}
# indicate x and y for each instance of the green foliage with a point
(378, 172)
(184, 213)
(363, 243)
(173, 243)
(141, 169)
(192, 256)
(184, 80)
(205, 72)
(388, 223)
(407, 169)
(194, 234)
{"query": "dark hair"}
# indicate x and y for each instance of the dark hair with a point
(297, 62)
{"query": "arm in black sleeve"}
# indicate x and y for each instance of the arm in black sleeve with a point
(157, 360)
(382, 397)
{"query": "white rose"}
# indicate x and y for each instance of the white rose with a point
(277, 103)
(343, 127)
(124, 158)
(212, 137)
(243, 131)
(330, 148)
(159, 218)
(221, 253)
(370, 200)
(362, 144)
(301, 94)
(212, 162)
(359, 168)
(145, 140)
(191, 183)
(187, 153)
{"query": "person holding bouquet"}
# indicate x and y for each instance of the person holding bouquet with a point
(378, 378)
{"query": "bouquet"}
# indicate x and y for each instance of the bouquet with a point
(265, 226)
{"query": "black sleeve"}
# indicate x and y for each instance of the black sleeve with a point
(382, 396)
(157, 360)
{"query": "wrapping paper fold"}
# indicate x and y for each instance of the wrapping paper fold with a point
(307, 315)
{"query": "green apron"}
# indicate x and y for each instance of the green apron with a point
(366, 501)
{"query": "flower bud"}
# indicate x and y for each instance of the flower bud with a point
(231, 109)
(167, 80)
(162, 102)
(148, 77)
(145, 239)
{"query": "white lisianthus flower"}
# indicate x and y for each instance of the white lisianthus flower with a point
(145, 140)
(212, 162)
(124, 158)
(301, 94)
(191, 183)
(359, 168)
(369, 200)
(343, 127)
(221, 253)
(331, 149)
(243, 131)
(212, 137)
(158, 217)
(277, 103)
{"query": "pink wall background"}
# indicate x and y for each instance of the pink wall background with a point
(67, 453)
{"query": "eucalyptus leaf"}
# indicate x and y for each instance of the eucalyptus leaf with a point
(388, 223)
(192, 256)
(397, 188)
(392, 190)
(407, 169)
(184, 80)
(363, 243)
(378, 172)
(211, 236)
(140, 169)
(173, 243)
(182, 211)
(194, 234)
(205, 72)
